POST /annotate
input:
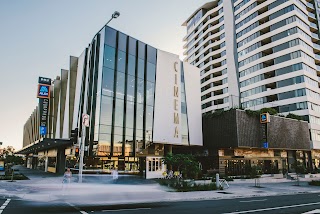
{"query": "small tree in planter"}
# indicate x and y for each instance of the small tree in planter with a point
(300, 169)
(184, 163)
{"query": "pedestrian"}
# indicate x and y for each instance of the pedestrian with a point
(66, 179)
(115, 174)
(67, 176)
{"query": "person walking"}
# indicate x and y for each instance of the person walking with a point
(66, 179)
(67, 176)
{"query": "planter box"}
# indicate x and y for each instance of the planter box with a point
(202, 182)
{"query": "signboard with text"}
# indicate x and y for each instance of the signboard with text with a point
(43, 91)
(44, 80)
(1, 165)
(265, 118)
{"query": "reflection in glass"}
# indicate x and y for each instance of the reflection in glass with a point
(132, 46)
(117, 145)
(139, 121)
(130, 88)
(106, 110)
(149, 117)
(121, 64)
(110, 37)
(151, 72)
(131, 65)
(140, 91)
(141, 68)
(130, 115)
(104, 129)
(129, 144)
(107, 81)
(151, 54)
(141, 50)
(120, 85)
(109, 56)
(122, 43)
(104, 146)
(150, 93)
(118, 120)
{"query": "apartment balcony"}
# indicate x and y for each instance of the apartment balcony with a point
(315, 36)
(313, 26)
(316, 46)
(312, 16)
(309, 5)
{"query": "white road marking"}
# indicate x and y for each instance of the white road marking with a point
(312, 212)
(274, 208)
(253, 201)
(120, 210)
(82, 212)
(4, 205)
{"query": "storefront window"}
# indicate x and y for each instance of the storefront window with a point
(52, 161)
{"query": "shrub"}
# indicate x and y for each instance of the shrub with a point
(314, 183)
(294, 116)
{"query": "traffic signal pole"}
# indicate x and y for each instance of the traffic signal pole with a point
(83, 137)
(85, 124)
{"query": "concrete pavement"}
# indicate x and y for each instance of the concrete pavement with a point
(100, 189)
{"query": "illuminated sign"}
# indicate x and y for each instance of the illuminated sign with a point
(1, 165)
(44, 80)
(43, 130)
(264, 118)
(43, 91)
(176, 96)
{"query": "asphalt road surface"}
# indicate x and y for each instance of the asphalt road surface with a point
(299, 203)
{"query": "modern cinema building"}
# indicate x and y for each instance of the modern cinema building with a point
(141, 102)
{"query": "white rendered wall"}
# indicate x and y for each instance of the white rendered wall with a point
(193, 96)
(164, 126)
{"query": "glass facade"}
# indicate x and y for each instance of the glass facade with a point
(127, 100)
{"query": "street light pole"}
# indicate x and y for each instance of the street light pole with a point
(115, 15)
(85, 124)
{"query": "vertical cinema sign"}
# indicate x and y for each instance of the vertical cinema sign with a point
(176, 101)
(43, 94)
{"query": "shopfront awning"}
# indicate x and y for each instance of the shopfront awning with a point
(44, 144)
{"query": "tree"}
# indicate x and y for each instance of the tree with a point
(185, 163)
(8, 155)
(299, 168)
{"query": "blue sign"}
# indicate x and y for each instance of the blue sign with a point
(43, 91)
(43, 130)
(1, 165)
(265, 145)
(264, 118)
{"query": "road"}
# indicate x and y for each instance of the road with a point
(299, 203)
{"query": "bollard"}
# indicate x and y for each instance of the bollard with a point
(217, 181)
(12, 175)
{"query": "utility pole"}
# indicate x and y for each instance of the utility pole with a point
(85, 124)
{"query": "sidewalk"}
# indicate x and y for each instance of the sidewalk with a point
(100, 189)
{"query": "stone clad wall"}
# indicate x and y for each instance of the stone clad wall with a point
(288, 133)
(236, 128)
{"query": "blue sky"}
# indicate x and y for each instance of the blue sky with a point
(37, 37)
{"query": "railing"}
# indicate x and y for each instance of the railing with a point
(310, 5)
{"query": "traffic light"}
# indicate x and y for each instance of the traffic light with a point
(76, 151)
(74, 136)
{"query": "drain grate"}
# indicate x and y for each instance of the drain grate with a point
(225, 192)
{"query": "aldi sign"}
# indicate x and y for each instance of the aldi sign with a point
(265, 118)
(43, 91)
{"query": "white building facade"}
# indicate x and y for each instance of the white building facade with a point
(254, 54)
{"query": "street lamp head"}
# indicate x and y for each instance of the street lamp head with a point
(115, 15)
